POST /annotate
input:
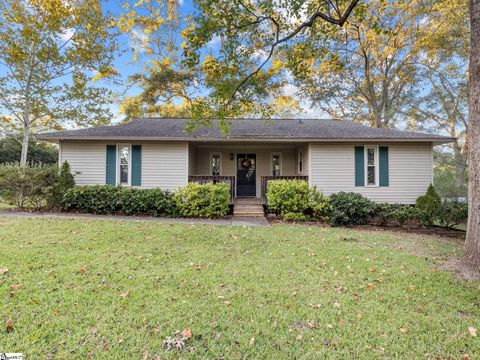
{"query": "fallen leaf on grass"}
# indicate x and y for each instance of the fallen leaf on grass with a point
(252, 341)
(82, 270)
(404, 331)
(3, 270)
(9, 325)
(370, 286)
(472, 331)
(187, 333)
(299, 337)
(228, 303)
(125, 294)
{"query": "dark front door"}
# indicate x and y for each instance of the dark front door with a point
(246, 174)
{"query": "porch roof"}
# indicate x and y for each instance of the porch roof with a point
(244, 129)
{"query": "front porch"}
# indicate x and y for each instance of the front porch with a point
(247, 167)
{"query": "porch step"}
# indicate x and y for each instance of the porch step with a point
(249, 208)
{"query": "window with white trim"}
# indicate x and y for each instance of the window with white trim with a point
(371, 165)
(300, 161)
(216, 164)
(276, 164)
(124, 156)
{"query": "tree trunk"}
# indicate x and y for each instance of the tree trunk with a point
(472, 242)
(26, 136)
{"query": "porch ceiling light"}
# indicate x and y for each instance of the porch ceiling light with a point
(231, 156)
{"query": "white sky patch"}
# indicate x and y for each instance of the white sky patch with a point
(180, 2)
(138, 41)
(67, 34)
(214, 42)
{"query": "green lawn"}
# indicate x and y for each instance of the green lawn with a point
(118, 289)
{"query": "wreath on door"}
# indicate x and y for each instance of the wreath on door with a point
(246, 164)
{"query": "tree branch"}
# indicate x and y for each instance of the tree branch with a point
(340, 21)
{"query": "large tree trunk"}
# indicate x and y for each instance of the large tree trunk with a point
(472, 242)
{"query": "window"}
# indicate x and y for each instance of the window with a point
(216, 164)
(276, 164)
(124, 164)
(371, 163)
(300, 161)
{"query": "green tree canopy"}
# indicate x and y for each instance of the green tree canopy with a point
(50, 50)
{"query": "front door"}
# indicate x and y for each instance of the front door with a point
(246, 175)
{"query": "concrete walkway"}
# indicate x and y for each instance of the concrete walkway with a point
(236, 221)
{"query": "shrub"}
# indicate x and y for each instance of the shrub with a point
(431, 204)
(65, 181)
(399, 213)
(288, 197)
(453, 213)
(319, 205)
(350, 209)
(28, 186)
(203, 200)
(108, 199)
(404, 213)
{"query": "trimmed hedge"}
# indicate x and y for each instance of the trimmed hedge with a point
(203, 200)
(399, 213)
(289, 198)
(348, 208)
(294, 200)
(453, 213)
(109, 199)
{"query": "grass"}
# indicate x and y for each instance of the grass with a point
(108, 289)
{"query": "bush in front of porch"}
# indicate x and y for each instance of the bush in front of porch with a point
(294, 200)
(203, 200)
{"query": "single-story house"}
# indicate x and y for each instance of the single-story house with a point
(385, 165)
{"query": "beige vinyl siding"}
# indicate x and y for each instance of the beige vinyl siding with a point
(87, 161)
(332, 169)
(263, 156)
(164, 164)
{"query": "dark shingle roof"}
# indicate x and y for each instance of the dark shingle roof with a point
(243, 129)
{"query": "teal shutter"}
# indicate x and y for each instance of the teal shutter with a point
(111, 167)
(359, 166)
(136, 165)
(383, 162)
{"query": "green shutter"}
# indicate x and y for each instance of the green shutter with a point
(136, 165)
(383, 162)
(359, 166)
(111, 167)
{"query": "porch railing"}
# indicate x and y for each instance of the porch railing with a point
(266, 179)
(204, 179)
